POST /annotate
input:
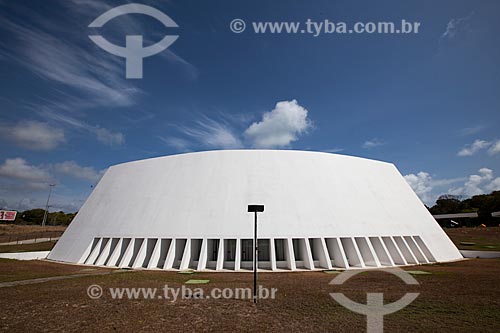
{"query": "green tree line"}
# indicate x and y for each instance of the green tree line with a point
(483, 204)
(35, 216)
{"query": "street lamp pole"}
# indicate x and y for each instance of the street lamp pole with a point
(255, 259)
(47, 205)
(254, 209)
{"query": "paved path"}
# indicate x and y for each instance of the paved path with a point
(31, 241)
(480, 254)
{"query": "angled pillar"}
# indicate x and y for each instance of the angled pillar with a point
(220, 256)
(186, 256)
(289, 255)
(169, 261)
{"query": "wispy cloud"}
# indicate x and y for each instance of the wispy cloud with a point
(333, 150)
(470, 130)
(178, 144)
(106, 136)
(212, 134)
(96, 75)
(375, 142)
(83, 78)
(456, 26)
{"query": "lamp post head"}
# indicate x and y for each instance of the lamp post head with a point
(255, 208)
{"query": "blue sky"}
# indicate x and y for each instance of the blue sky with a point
(427, 102)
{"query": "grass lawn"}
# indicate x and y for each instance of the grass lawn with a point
(456, 297)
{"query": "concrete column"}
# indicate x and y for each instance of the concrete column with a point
(141, 254)
(289, 255)
(237, 258)
(220, 255)
(202, 262)
(104, 254)
(113, 258)
(373, 252)
(95, 252)
(324, 256)
(272, 254)
(127, 256)
(155, 256)
(186, 256)
(169, 261)
(308, 259)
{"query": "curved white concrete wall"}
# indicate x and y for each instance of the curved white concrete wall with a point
(196, 206)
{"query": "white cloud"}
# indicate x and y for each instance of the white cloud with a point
(421, 183)
(494, 185)
(481, 183)
(375, 142)
(473, 148)
(18, 173)
(71, 168)
(495, 148)
(279, 127)
(33, 135)
(18, 168)
(25, 186)
(428, 188)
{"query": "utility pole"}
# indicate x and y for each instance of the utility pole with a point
(47, 205)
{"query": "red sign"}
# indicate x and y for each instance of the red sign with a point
(7, 215)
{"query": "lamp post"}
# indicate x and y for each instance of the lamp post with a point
(255, 209)
(47, 205)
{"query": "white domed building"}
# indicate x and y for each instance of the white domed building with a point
(189, 211)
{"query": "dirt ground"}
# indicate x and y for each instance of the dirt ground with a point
(485, 239)
(457, 297)
(16, 270)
